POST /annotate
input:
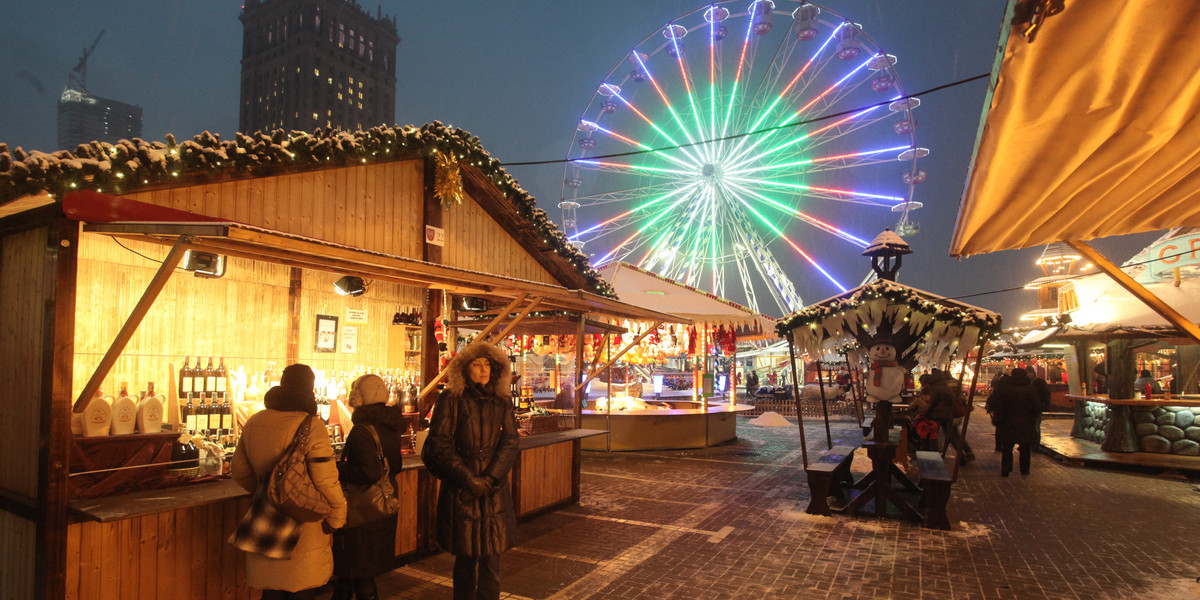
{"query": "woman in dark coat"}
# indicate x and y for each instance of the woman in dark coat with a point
(1016, 409)
(360, 553)
(472, 445)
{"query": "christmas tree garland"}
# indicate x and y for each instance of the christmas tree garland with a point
(130, 165)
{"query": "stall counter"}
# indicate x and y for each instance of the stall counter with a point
(1157, 424)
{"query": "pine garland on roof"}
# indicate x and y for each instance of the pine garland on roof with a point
(132, 164)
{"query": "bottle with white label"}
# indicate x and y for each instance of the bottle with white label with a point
(150, 411)
(97, 417)
(124, 412)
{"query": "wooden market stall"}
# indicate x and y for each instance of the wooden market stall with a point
(923, 331)
(662, 416)
(119, 261)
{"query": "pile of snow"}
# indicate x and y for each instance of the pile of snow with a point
(770, 419)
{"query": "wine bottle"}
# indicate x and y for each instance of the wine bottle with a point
(203, 411)
(226, 416)
(187, 415)
(222, 375)
(185, 380)
(210, 379)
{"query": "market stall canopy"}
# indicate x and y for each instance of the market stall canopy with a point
(655, 292)
(1091, 127)
(937, 329)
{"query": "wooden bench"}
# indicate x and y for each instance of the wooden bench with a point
(826, 476)
(935, 488)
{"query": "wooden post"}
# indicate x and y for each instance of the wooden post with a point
(1120, 369)
(824, 406)
(579, 329)
(799, 413)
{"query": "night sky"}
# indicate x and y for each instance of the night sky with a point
(518, 75)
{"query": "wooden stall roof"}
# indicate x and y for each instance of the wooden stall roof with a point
(552, 325)
(247, 241)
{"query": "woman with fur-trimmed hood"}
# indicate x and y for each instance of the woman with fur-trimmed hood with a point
(472, 445)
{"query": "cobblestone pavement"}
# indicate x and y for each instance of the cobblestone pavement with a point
(729, 523)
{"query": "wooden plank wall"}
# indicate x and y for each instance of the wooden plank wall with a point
(24, 285)
(376, 207)
(17, 539)
(242, 316)
(381, 301)
(546, 473)
(179, 554)
(474, 241)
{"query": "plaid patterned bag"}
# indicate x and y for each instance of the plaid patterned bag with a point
(266, 531)
(290, 487)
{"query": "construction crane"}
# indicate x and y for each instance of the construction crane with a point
(81, 68)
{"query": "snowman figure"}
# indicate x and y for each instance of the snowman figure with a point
(885, 379)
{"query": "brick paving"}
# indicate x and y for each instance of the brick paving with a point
(728, 523)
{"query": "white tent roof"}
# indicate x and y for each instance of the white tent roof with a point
(1091, 129)
(649, 290)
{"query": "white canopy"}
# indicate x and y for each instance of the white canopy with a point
(642, 288)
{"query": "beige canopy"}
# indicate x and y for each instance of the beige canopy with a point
(1092, 129)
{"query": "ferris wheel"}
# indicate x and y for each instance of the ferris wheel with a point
(741, 146)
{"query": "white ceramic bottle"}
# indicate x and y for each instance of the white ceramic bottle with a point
(150, 411)
(124, 412)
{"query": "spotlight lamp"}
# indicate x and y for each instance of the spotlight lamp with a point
(350, 285)
(204, 264)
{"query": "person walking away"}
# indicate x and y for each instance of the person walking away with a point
(265, 437)
(1016, 409)
(472, 445)
(363, 552)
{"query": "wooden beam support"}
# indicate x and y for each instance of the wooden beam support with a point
(1140, 292)
(131, 324)
(596, 371)
(521, 317)
(482, 336)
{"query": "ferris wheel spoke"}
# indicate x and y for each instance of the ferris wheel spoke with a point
(830, 94)
(666, 103)
(825, 163)
(654, 203)
(807, 218)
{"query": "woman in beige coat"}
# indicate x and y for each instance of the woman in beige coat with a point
(264, 438)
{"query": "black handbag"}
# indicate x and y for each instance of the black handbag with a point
(368, 503)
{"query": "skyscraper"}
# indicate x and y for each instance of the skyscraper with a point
(83, 118)
(316, 63)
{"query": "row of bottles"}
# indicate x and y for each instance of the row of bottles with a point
(407, 317)
(202, 380)
(120, 415)
(207, 416)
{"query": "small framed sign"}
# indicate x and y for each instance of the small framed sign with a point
(327, 329)
(350, 339)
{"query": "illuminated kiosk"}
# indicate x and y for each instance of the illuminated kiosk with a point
(658, 417)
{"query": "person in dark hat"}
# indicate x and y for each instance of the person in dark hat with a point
(265, 437)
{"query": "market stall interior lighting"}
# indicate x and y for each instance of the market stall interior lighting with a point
(350, 285)
(204, 264)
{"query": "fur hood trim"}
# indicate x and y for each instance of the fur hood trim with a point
(456, 371)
